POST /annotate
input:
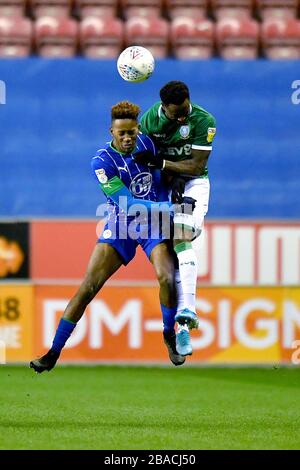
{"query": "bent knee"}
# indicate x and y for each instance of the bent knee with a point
(182, 234)
(186, 235)
(166, 280)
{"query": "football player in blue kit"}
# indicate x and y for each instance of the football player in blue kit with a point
(125, 183)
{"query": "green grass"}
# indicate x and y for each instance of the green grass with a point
(149, 408)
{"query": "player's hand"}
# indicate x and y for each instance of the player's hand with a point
(177, 185)
(187, 206)
(189, 203)
(149, 159)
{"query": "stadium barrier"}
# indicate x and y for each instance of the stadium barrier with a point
(238, 325)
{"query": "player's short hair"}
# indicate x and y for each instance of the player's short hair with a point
(174, 92)
(125, 110)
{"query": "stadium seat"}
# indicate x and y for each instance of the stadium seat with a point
(15, 36)
(192, 39)
(142, 8)
(101, 37)
(281, 38)
(186, 8)
(57, 8)
(232, 8)
(99, 8)
(12, 7)
(152, 33)
(56, 37)
(277, 8)
(237, 38)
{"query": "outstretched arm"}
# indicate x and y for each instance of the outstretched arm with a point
(116, 190)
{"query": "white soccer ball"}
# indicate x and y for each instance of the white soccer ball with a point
(135, 64)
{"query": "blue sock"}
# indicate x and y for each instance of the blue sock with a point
(63, 332)
(168, 315)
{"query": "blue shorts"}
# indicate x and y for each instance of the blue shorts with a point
(126, 245)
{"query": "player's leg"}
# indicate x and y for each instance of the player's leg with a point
(162, 258)
(186, 228)
(104, 261)
(163, 263)
(186, 275)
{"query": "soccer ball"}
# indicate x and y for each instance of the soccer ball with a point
(135, 64)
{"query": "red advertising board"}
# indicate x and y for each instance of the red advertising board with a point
(61, 250)
(229, 253)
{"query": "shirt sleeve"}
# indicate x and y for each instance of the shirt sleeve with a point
(205, 133)
(103, 168)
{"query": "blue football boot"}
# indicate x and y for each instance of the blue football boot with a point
(183, 341)
(187, 317)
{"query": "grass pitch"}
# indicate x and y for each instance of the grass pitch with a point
(121, 408)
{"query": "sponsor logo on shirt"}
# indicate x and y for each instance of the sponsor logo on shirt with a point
(211, 131)
(180, 151)
(123, 168)
(160, 135)
(141, 184)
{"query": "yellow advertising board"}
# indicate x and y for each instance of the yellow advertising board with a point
(247, 325)
(16, 322)
(238, 325)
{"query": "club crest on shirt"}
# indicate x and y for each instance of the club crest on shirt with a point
(184, 131)
(211, 131)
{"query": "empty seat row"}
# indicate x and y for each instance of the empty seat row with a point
(185, 38)
(146, 8)
(263, 9)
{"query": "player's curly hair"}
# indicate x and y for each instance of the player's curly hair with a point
(125, 110)
(174, 92)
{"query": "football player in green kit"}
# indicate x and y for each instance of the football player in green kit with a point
(183, 133)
